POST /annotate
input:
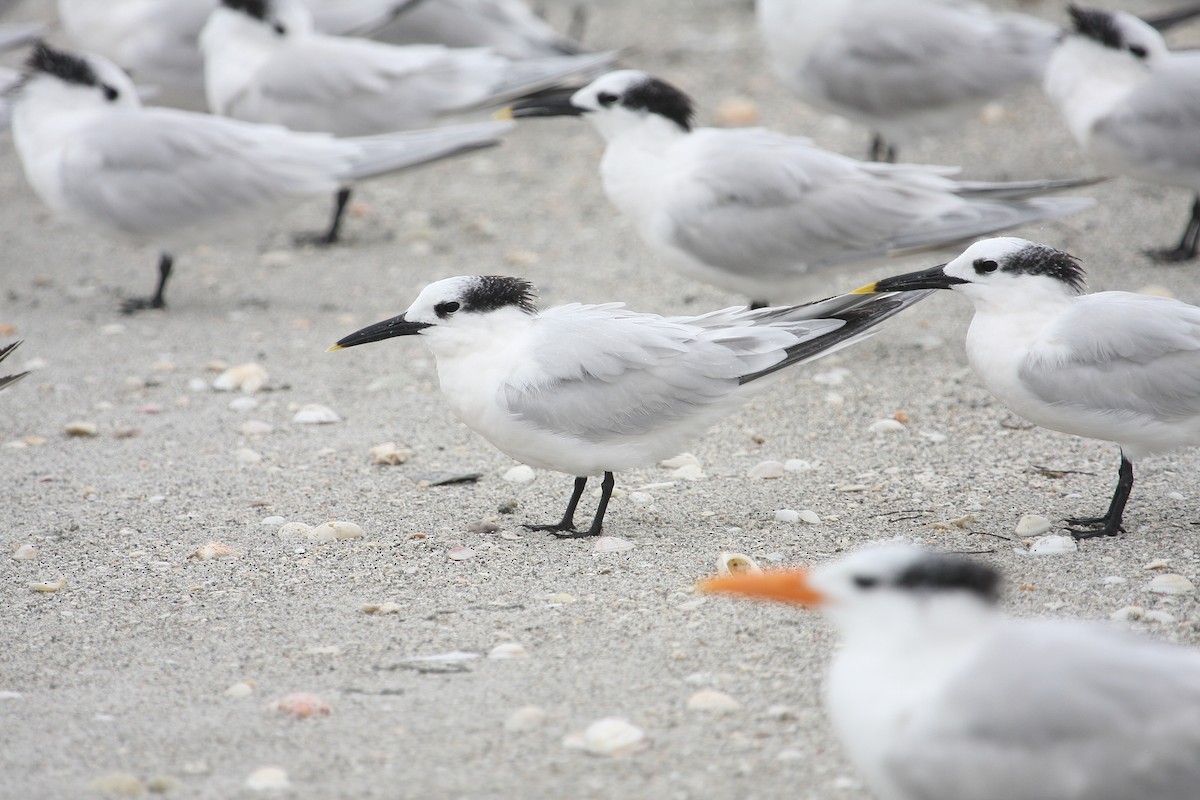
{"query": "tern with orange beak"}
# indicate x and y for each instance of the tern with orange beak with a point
(938, 696)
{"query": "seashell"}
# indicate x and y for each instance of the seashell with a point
(295, 530)
(520, 474)
(689, 472)
(1170, 583)
(711, 700)
(335, 531)
(787, 515)
(243, 404)
(679, 461)
(382, 608)
(387, 453)
(511, 536)
(736, 563)
(240, 689)
(268, 779)
(526, 718)
(1127, 614)
(460, 553)
(612, 544)
(887, 426)
(797, 465)
(450, 657)
(508, 651)
(275, 520)
(1158, 563)
(256, 427)
(52, 586)
(249, 378)
(316, 414)
(25, 552)
(213, 549)
(809, 517)
(302, 705)
(1053, 545)
(119, 784)
(81, 428)
(767, 470)
(610, 736)
(1032, 525)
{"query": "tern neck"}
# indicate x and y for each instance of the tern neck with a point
(1086, 81)
(915, 624)
(652, 132)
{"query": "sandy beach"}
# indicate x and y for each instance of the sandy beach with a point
(166, 668)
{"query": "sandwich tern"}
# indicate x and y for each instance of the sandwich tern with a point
(16, 34)
(595, 389)
(5, 352)
(754, 211)
(506, 27)
(1132, 105)
(92, 153)
(1114, 366)
(936, 695)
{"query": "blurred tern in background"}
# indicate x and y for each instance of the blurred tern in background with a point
(596, 389)
(754, 211)
(1132, 105)
(506, 27)
(19, 33)
(92, 153)
(1115, 366)
(938, 696)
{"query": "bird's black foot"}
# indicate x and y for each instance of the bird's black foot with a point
(135, 304)
(1171, 255)
(575, 534)
(314, 239)
(556, 528)
(1093, 527)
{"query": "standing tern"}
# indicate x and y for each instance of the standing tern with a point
(1132, 105)
(92, 153)
(506, 27)
(596, 389)
(937, 696)
(754, 211)
(1114, 366)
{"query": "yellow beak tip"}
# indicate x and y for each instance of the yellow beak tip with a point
(333, 347)
(868, 289)
(503, 114)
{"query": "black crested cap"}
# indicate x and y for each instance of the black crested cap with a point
(259, 9)
(1098, 25)
(944, 572)
(659, 97)
(492, 292)
(1038, 259)
(65, 66)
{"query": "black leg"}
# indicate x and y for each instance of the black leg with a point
(1110, 523)
(881, 150)
(165, 262)
(334, 234)
(568, 521)
(1188, 245)
(606, 488)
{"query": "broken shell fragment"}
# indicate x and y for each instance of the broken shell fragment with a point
(389, 454)
(61, 583)
(712, 701)
(249, 378)
(81, 428)
(25, 552)
(335, 531)
(213, 549)
(508, 651)
(382, 608)
(610, 736)
(316, 414)
(736, 563)
(268, 779)
(612, 544)
(460, 553)
(302, 705)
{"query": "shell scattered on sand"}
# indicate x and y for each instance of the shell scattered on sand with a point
(268, 779)
(211, 550)
(247, 378)
(460, 553)
(612, 544)
(81, 428)
(520, 474)
(887, 426)
(524, 719)
(508, 651)
(302, 705)
(1053, 545)
(713, 702)
(48, 587)
(382, 608)
(25, 552)
(119, 784)
(1032, 525)
(336, 531)
(389, 454)
(611, 736)
(767, 470)
(1170, 583)
(315, 414)
(240, 689)
(736, 563)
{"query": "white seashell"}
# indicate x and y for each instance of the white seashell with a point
(641, 499)
(526, 718)
(249, 378)
(316, 414)
(612, 544)
(797, 465)
(335, 531)
(197, 385)
(119, 784)
(736, 563)
(1053, 545)
(243, 404)
(520, 474)
(295, 530)
(25, 552)
(561, 597)
(809, 517)
(1170, 583)
(268, 779)
(387, 453)
(1032, 525)
(1158, 563)
(611, 736)
(256, 427)
(49, 586)
(1175, 495)
(81, 428)
(382, 608)
(787, 515)
(886, 426)
(508, 651)
(213, 549)
(511, 536)
(273, 521)
(689, 472)
(712, 701)
(1112, 580)
(244, 455)
(452, 656)
(1161, 617)
(240, 689)
(1127, 614)
(9, 694)
(681, 460)
(767, 470)
(460, 553)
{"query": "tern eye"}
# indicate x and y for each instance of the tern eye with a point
(1138, 51)
(110, 93)
(444, 310)
(866, 581)
(606, 99)
(985, 265)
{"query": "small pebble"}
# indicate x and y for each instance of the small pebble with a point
(81, 428)
(1032, 525)
(1053, 545)
(887, 426)
(243, 404)
(508, 651)
(710, 700)
(787, 515)
(316, 414)
(119, 784)
(382, 608)
(249, 378)
(25, 552)
(213, 550)
(302, 705)
(389, 454)
(525, 719)
(1170, 583)
(268, 779)
(256, 427)
(612, 544)
(272, 521)
(767, 470)
(460, 553)
(521, 473)
(611, 736)
(49, 586)
(1127, 614)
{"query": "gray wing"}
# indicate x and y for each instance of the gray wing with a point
(1155, 128)
(1118, 351)
(598, 371)
(355, 17)
(16, 34)
(154, 172)
(1059, 711)
(900, 58)
(507, 27)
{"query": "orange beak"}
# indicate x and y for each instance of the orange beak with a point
(788, 585)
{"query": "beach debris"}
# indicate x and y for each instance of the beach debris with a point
(268, 779)
(301, 705)
(767, 470)
(295, 530)
(712, 701)
(52, 586)
(508, 651)
(335, 531)
(887, 426)
(248, 378)
(736, 563)
(520, 474)
(689, 472)
(1158, 563)
(382, 608)
(1053, 545)
(524, 719)
(1032, 525)
(240, 689)
(274, 520)
(611, 736)
(460, 553)
(1171, 583)
(641, 499)
(1127, 614)
(787, 515)
(315, 414)
(389, 454)
(243, 404)
(211, 550)
(25, 552)
(119, 784)
(81, 428)
(612, 544)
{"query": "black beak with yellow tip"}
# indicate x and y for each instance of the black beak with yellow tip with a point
(396, 326)
(932, 278)
(548, 103)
